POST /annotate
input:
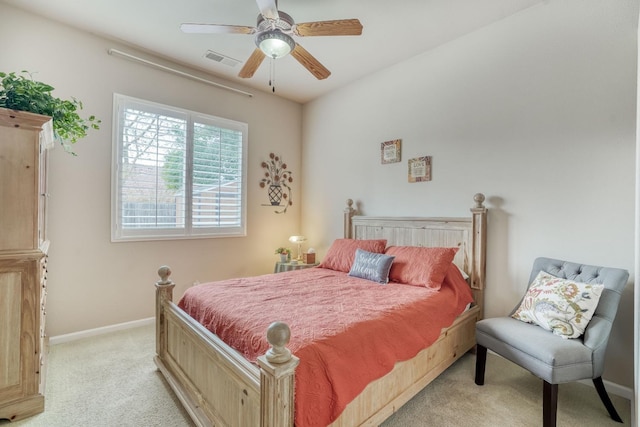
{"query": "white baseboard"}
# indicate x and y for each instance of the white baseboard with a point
(59, 339)
(613, 388)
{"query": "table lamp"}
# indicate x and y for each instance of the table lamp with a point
(298, 240)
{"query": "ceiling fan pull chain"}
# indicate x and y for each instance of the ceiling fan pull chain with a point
(272, 75)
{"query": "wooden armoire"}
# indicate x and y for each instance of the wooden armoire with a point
(24, 140)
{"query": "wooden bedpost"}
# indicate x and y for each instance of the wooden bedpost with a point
(277, 369)
(478, 268)
(164, 293)
(349, 212)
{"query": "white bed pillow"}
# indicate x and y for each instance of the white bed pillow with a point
(464, 274)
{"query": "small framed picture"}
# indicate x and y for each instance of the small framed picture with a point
(390, 151)
(420, 169)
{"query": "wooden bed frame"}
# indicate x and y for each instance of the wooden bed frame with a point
(217, 386)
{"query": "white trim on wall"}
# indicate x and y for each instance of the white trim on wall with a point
(635, 402)
(59, 339)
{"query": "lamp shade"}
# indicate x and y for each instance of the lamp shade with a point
(275, 44)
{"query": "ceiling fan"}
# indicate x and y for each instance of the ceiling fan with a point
(274, 32)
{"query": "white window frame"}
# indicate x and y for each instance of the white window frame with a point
(120, 234)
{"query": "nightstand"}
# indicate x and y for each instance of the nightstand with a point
(288, 266)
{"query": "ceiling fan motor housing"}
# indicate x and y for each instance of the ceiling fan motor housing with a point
(284, 23)
(273, 35)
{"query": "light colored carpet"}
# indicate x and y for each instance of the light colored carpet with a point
(111, 380)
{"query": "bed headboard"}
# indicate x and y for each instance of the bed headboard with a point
(467, 233)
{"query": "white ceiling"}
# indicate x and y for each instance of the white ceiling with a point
(391, 34)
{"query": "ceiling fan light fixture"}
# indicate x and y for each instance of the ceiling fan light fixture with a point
(275, 44)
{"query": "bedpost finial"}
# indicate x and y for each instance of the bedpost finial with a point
(164, 272)
(479, 199)
(349, 210)
(278, 335)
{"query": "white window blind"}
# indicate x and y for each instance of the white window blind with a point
(177, 174)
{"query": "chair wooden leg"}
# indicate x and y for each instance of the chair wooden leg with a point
(604, 396)
(549, 404)
(481, 363)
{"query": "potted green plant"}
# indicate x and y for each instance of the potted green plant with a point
(285, 254)
(21, 92)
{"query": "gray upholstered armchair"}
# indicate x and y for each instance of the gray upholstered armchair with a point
(550, 357)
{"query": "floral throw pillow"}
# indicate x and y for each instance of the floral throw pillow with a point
(561, 306)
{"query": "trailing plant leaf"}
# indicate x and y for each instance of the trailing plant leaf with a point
(21, 92)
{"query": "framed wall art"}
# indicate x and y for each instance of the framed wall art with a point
(277, 181)
(420, 169)
(390, 151)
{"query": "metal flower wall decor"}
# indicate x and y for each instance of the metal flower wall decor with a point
(277, 180)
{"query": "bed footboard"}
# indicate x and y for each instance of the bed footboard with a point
(214, 383)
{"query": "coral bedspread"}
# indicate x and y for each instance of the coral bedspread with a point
(346, 331)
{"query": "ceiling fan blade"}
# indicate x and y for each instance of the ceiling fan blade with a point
(268, 8)
(252, 64)
(310, 63)
(216, 29)
(340, 27)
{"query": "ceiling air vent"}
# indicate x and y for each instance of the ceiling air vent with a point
(218, 57)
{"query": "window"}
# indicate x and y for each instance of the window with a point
(176, 173)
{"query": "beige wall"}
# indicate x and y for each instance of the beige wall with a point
(93, 282)
(537, 111)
